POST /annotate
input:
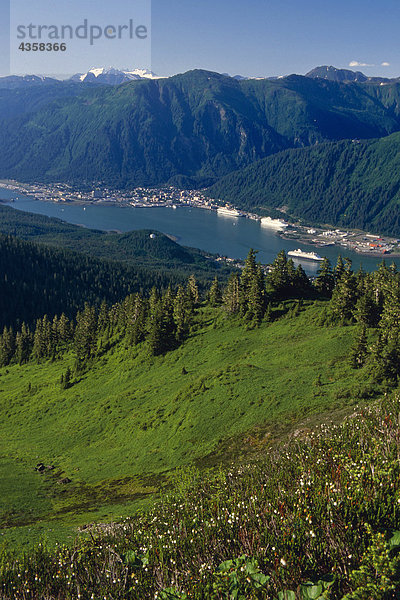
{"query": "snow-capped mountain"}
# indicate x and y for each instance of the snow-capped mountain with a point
(345, 75)
(111, 76)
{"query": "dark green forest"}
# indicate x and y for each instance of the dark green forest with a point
(350, 184)
(37, 279)
(134, 248)
(49, 266)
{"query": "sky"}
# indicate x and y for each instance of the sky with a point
(248, 37)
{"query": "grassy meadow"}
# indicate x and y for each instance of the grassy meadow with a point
(130, 419)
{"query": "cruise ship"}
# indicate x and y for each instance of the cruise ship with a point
(229, 212)
(307, 255)
(273, 223)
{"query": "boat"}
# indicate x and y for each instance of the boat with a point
(229, 212)
(273, 223)
(306, 255)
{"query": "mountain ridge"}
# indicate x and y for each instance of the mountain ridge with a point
(198, 125)
(353, 184)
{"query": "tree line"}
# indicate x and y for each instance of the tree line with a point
(164, 319)
(36, 279)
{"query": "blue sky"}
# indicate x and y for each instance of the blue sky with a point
(253, 37)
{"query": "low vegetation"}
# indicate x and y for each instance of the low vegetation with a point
(100, 414)
(318, 519)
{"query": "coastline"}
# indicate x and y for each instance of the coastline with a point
(318, 236)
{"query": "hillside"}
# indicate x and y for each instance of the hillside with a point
(102, 414)
(120, 396)
(38, 280)
(318, 519)
(345, 184)
(49, 278)
(134, 248)
(131, 418)
(188, 129)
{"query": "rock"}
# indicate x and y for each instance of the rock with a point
(65, 480)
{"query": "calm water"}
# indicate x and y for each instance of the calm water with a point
(191, 226)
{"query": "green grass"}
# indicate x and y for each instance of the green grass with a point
(130, 419)
(317, 513)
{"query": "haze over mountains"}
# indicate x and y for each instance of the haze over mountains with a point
(189, 130)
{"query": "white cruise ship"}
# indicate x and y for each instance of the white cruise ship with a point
(307, 255)
(229, 212)
(273, 223)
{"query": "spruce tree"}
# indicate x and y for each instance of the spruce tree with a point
(85, 338)
(192, 291)
(64, 329)
(301, 283)
(256, 298)
(359, 350)
(136, 321)
(279, 278)
(339, 270)
(181, 314)
(168, 324)
(23, 345)
(366, 311)
(155, 333)
(215, 293)
(325, 281)
(344, 297)
(39, 341)
(231, 294)
(7, 346)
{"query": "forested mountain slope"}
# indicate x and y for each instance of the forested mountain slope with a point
(37, 280)
(190, 128)
(349, 183)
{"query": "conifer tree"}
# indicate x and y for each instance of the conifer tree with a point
(268, 318)
(279, 278)
(181, 314)
(325, 281)
(256, 298)
(40, 340)
(301, 283)
(192, 291)
(381, 281)
(102, 319)
(23, 344)
(66, 379)
(390, 318)
(366, 311)
(231, 294)
(85, 338)
(64, 329)
(54, 334)
(339, 269)
(7, 346)
(168, 324)
(291, 273)
(246, 279)
(155, 337)
(215, 293)
(136, 321)
(344, 297)
(359, 350)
